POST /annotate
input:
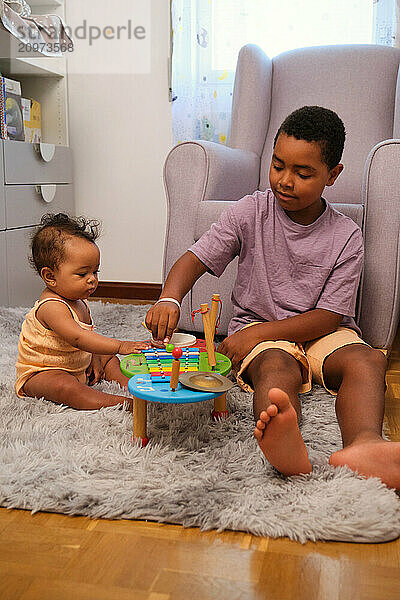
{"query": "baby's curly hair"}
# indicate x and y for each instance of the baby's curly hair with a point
(317, 124)
(47, 243)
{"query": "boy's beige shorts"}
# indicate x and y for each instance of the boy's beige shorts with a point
(311, 356)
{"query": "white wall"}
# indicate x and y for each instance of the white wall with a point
(120, 133)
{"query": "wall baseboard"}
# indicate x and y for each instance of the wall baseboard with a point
(128, 291)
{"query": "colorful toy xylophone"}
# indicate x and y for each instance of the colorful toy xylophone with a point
(158, 363)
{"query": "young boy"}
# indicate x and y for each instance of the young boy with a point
(294, 301)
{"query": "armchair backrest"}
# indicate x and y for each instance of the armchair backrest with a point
(357, 82)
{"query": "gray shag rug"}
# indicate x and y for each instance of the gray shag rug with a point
(193, 472)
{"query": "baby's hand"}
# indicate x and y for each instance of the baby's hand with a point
(133, 347)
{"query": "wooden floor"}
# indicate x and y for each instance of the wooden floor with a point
(55, 557)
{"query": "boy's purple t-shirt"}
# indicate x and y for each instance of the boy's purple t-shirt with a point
(285, 269)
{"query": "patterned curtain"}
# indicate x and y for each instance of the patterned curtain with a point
(207, 35)
(201, 94)
(386, 22)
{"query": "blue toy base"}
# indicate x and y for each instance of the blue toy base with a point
(142, 386)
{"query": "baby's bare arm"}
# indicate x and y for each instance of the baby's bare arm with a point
(57, 317)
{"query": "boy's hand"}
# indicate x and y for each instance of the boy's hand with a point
(162, 320)
(95, 370)
(238, 345)
(132, 347)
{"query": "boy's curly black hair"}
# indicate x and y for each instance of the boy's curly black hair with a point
(317, 124)
(47, 243)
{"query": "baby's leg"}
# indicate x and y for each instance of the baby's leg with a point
(358, 372)
(63, 388)
(275, 377)
(112, 372)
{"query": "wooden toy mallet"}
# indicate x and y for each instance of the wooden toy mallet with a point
(215, 301)
(209, 335)
(176, 364)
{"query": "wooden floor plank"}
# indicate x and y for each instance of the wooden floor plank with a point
(176, 584)
(13, 586)
(49, 589)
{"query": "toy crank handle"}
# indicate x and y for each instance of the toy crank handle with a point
(214, 312)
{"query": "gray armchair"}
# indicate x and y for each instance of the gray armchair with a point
(362, 84)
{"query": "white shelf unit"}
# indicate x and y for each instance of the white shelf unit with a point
(37, 5)
(42, 78)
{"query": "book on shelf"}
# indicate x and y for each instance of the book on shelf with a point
(13, 110)
(3, 125)
(32, 120)
(20, 118)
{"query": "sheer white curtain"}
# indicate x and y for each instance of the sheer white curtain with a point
(208, 34)
(386, 22)
(201, 94)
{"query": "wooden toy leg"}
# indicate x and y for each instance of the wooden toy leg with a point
(140, 421)
(220, 411)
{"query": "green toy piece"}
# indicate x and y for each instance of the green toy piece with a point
(135, 364)
(169, 347)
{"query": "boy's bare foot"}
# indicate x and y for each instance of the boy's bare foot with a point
(279, 437)
(372, 458)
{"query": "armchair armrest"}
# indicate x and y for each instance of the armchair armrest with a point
(196, 172)
(379, 289)
(199, 171)
(217, 172)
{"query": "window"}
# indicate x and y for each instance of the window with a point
(277, 26)
(208, 34)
